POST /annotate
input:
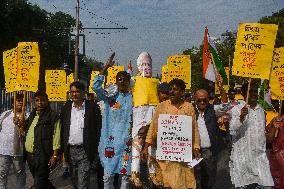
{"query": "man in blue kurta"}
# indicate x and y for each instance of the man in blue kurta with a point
(115, 141)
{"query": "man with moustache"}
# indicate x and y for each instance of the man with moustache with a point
(210, 137)
(81, 123)
(175, 175)
(42, 142)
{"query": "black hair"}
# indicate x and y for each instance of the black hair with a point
(124, 74)
(179, 83)
(78, 85)
(253, 87)
(19, 96)
(41, 94)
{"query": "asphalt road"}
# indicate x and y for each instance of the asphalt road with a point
(223, 180)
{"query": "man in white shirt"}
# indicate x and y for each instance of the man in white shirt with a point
(249, 165)
(11, 145)
(81, 123)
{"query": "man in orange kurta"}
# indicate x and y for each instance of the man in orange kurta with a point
(176, 175)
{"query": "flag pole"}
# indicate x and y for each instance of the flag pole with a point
(14, 104)
(280, 107)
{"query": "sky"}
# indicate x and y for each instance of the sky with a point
(160, 27)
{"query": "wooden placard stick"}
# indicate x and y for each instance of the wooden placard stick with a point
(14, 101)
(248, 90)
(280, 107)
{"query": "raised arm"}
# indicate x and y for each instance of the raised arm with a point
(99, 79)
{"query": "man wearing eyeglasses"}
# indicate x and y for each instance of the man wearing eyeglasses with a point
(210, 138)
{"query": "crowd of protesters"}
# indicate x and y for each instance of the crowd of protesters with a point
(109, 133)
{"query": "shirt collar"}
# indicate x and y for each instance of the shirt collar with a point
(80, 108)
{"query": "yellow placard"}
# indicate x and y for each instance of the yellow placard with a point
(254, 49)
(277, 75)
(94, 73)
(111, 74)
(179, 67)
(145, 91)
(10, 63)
(70, 79)
(165, 73)
(28, 66)
(225, 85)
(56, 85)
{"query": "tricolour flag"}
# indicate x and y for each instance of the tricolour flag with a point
(265, 95)
(208, 67)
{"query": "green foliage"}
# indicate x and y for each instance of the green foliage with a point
(276, 18)
(25, 22)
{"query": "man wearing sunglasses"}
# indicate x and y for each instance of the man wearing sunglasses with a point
(210, 138)
(115, 141)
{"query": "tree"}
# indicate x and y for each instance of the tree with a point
(276, 18)
(26, 22)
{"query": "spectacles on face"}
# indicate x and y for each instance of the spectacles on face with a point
(122, 79)
(75, 92)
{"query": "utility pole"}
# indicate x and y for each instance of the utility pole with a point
(76, 53)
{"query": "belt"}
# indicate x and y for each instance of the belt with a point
(76, 146)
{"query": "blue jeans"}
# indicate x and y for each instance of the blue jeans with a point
(109, 181)
(5, 164)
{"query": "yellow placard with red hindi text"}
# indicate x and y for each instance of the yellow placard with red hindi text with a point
(254, 50)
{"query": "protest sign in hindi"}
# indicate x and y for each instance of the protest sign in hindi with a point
(277, 75)
(10, 63)
(165, 73)
(56, 85)
(111, 74)
(179, 67)
(94, 73)
(28, 66)
(174, 140)
(254, 50)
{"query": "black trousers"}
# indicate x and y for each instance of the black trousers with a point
(40, 171)
(205, 172)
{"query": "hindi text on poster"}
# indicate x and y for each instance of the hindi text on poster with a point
(277, 74)
(111, 74)
(254, 49)
(56, 85)
(174, 140)
(179, 67)
(28, 66)
(10, 64)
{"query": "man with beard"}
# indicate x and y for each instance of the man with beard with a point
(249, 166)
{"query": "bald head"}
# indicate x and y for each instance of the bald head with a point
(201, 92)
(201, 99)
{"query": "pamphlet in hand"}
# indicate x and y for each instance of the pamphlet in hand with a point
(194, 162)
